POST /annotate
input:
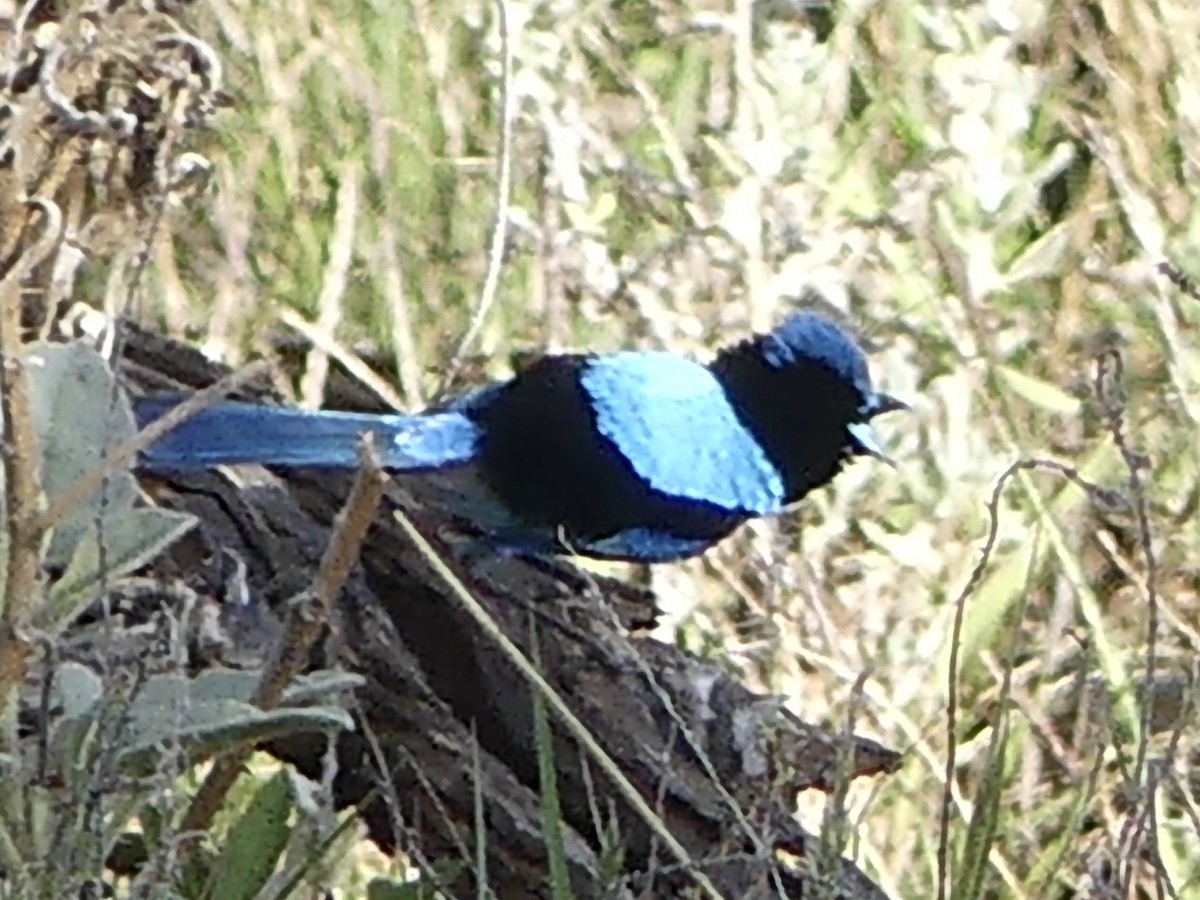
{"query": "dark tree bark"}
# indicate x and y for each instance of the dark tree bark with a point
(444, 716)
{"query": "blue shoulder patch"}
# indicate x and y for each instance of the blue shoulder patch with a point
(671, 419)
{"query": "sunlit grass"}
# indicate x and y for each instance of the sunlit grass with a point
(985, 199)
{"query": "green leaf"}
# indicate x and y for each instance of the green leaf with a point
(552, 830)
(386, 889)
(255, 843)
(195, 717)
(81, 417)
(154, 823)
(1040, 393)
(424, 888)
(322, 685)
(985, 819)
(173, 712)
(211, 728)
(39, 813)
(1041, 259)
(130, 540)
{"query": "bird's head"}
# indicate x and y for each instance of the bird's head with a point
(806, 343)
(805, 390)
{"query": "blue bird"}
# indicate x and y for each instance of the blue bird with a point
(639, 456)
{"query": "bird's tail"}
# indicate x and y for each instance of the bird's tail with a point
(244, 433)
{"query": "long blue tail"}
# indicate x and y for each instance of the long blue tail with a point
(244, 433)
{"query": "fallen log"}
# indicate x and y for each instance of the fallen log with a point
(445, 717)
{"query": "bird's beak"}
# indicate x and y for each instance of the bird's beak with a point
(884, 403)
(866, 442)
(864, 435)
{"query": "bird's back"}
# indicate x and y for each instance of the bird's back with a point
(622, 450)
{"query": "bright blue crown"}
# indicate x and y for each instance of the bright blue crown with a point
(808, 336)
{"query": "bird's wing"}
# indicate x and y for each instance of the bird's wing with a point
(645, 545)
(671, 419)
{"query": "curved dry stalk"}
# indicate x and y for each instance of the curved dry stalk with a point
(21, 483)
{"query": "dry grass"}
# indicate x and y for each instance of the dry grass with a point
(985, 200)
(985, 192)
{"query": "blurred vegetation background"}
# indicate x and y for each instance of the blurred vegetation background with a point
(984, 191)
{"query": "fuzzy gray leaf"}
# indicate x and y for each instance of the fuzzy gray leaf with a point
(76, 689)
(197, 716)
(131, 538)
(240, 684)
(202, 729)
(81, 417)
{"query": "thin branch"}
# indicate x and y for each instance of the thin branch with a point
(304, 627)
(1103, 495)
(341, 255)
(326, 342)
(491, 283)
(20, 452)
(1110, 371)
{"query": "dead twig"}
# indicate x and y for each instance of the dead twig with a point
(491, 283)
(21, 481)
(309, 614)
